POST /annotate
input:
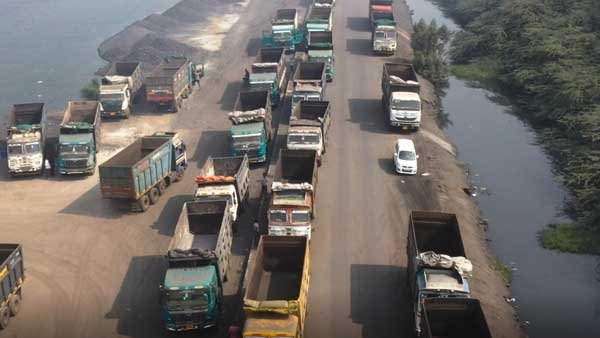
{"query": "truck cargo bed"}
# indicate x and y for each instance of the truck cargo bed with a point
(136, 151)
(26, 114)
(438, 232)
(449, 318)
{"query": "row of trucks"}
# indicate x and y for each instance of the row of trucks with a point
(438, 279)
(384, 35)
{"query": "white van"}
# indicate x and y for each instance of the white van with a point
(405, 157)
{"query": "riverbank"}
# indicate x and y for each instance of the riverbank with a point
(449, 178)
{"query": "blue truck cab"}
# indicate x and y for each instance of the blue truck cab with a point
(284, 30)
(250, 139)
(251, 125)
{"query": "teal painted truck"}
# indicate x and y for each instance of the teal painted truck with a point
(140, 173)
(268, 72)
(197, 259)
(79, 138)
(320, 49)
(251, 130)
(285, 31)
(319, 19)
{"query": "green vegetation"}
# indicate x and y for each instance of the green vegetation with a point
(547, 54)
(429, 44)
(503, 269)
(569, 238)
(91, 90)
(484, 71)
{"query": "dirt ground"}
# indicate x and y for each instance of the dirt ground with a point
(93, 270)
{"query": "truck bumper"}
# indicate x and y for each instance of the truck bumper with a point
(25, 171)
(406, 124)
(385, 51)
(77, 171)
(190, 326)
(290, 231)
(109, 114)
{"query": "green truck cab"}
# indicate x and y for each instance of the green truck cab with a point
(251, 130)
(284, 30)
(79, 137)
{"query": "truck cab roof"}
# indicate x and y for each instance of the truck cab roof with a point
(113, 88)
(215, 190)
(406, 96)
(247, 128)
(190, 278)
(442, 279)
(75, 138)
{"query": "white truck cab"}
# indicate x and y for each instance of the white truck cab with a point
(309, 138)
(220, 193)
(115, 100)
(405, 109)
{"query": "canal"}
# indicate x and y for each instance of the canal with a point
(557, 295)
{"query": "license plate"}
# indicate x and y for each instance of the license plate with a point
(189, 326)
(404, 127)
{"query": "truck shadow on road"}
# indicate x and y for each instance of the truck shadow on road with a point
(369, 114)
(358, 23)
(92, 204)
(253, 46)
(230, 93)
(165, 224)
(379, 300)
(359, 47)
(211, 143)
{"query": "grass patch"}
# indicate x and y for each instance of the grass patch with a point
(503, 269)
(484, 70)
(91, 90)
(570, 238)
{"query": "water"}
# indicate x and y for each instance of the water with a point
(54, 42)
(559, 294)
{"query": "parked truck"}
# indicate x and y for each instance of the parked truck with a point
(12, 276)
(284, 31)
(269, 72)
(25, 139)
(319, 19)
(251, 129)
(437, 263)
(293, 193)
(119, 88)
(453, 317)
(276, 294)
(380, 6)
(140, 173)
(79, 138)
(308, 127)
(320, 49)
(309, 82)
(400, 99)
(198, 259)
(171, 82)
(384, 38)
(224, 179)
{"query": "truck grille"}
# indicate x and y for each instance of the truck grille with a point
(75, 163)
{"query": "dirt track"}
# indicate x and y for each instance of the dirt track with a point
(94, 271)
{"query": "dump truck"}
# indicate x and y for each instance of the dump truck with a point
(384, 38)
(308, 127)
(453, 317)
(276, 294)
(309, 82)
(437, 263)
(380, 6)
(251, 130)
(12, 276)
(268, 72)
(320, 49)
(79, 138)
(140, 173)
(319, 19)
(224, 179)
(171, 82)
(119, 88)
(293, 193)
(25, 139)
(400, 99)
(284, 30)
(198, 259)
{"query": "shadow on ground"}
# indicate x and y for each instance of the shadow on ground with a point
(359, 47)
(369, 114)
(359, 23)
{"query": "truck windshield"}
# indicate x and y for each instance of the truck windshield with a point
(32, 148)
(15, 149)
(300, 217)
(73, 148)
(282, 36)
(406, 155)
(111, 97)
(304, 139)
(246, 139)
(277, 216)
(185, 299)
(406, 105)
(380, 35)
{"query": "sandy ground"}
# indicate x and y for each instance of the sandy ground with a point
(93, 270)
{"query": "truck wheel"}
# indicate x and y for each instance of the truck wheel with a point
(127, 113)
(154, 195)
(144, 203)
(15, 304)
(4, 317)
(162, 186)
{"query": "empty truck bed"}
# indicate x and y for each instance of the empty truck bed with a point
(204, 221)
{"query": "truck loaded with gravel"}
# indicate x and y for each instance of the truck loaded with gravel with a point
(171, 82)
(12, 276)
(400, 99)
(250, 132)
(140, 173)
(276, 294)
(437, 263)
(198, 259)
(225, 179)
(25, 139)
(309, 123)
(79, 138)
(269, 72)
(119, 88)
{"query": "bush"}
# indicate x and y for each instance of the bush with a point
(570, 238)
(91, 91)
(429, 45)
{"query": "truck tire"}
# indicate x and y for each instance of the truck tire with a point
(127, 113)
(14, 304)
(143, 203)
(4, 317)
(162, 186)
(153, 195)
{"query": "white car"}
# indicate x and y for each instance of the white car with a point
(405, 157)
